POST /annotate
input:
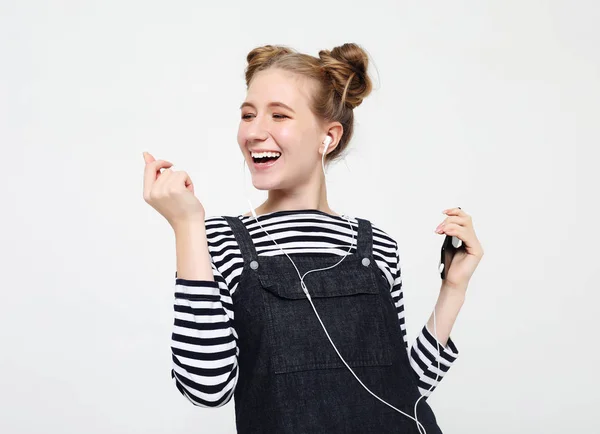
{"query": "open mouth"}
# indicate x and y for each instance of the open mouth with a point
(263, 160)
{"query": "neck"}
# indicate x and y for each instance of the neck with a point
(312, 195)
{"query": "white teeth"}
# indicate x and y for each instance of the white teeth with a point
(265, 154)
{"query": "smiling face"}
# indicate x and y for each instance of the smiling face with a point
(276, 116)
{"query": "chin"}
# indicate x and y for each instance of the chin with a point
(268, 183)
(271, 181)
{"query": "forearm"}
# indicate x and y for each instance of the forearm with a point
(193, 257)
(448, 306)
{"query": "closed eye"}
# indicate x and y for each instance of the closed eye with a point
(275, 115)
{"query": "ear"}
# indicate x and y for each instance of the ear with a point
(335, 131)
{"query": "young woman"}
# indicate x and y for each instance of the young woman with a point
(251, 316)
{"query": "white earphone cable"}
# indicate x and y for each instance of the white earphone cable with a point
(305, 289)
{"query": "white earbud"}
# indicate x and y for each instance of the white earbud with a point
(326, 142)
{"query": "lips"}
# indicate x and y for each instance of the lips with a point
(265, 163)
(265, 150)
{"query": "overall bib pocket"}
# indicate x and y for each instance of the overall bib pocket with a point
(350, 306)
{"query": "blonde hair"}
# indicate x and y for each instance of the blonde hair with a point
(340, 74)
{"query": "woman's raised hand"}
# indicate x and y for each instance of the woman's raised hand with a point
(171, 193)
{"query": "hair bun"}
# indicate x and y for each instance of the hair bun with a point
(263, 57)
(347, 66)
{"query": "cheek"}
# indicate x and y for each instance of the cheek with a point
(241, 134)
(287, 136)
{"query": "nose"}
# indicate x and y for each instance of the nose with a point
(256, 130)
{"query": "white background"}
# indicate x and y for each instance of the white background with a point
(491, 106)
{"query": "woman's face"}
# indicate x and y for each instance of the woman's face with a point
(276, 117)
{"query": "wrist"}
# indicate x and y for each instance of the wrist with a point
(455, 291)
(188, 225)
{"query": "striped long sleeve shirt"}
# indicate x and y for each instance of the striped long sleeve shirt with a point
(204, 341)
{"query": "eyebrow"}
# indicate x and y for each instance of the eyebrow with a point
(271, 104)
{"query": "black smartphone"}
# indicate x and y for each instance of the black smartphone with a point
(447, 253)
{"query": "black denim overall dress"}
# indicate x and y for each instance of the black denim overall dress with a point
(290, 378)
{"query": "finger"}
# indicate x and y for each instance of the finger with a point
(188, 182)
(454, 211)
(152, 172)
(470, 243)
(162, 181)
(162, 177)
(459, 220)
(455, 230)
(189, 185)
(148, 158)
(181, 178)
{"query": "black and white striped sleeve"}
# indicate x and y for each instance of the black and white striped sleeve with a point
(423, 354)
(204, 341)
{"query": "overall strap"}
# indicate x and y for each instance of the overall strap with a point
(243, 238)
(365, 238)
